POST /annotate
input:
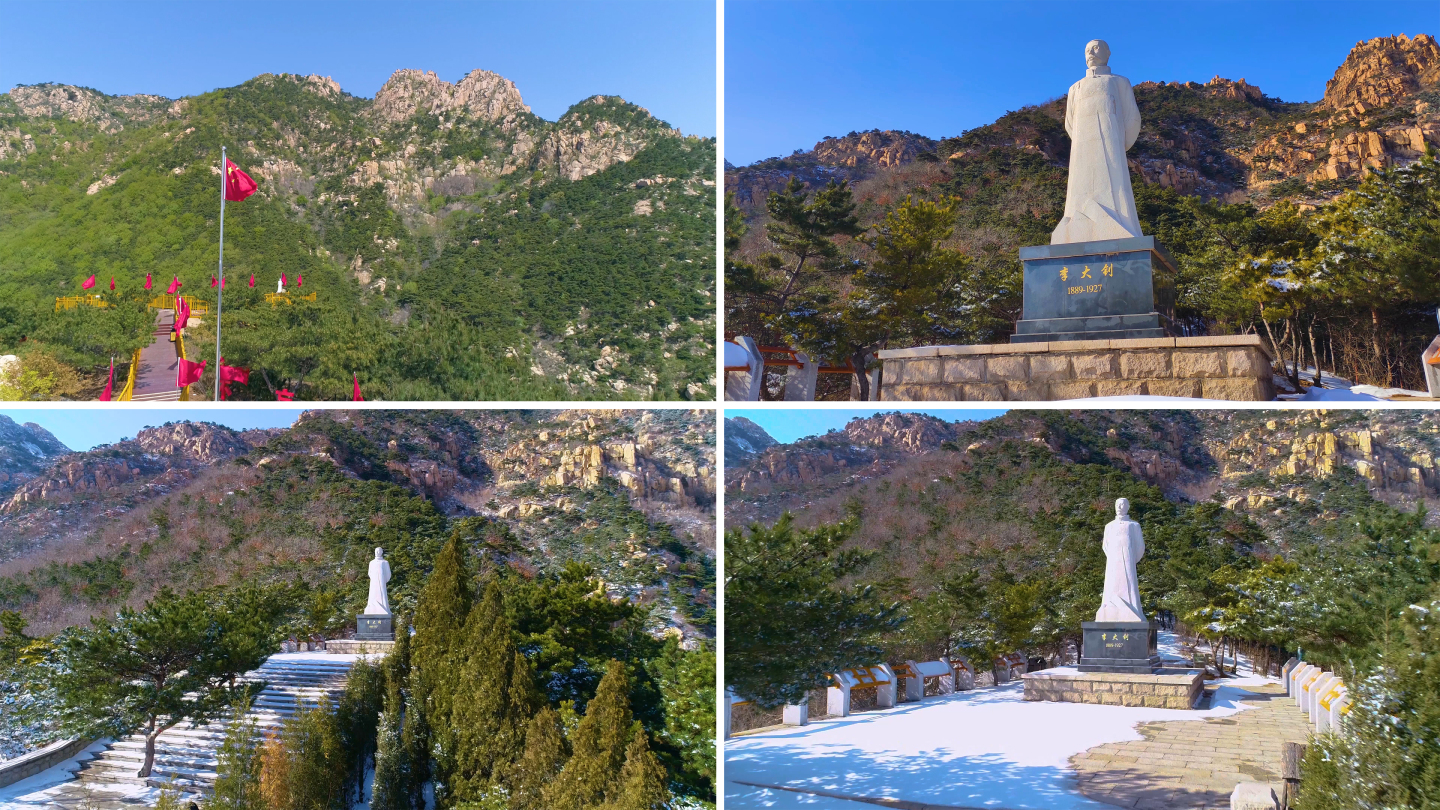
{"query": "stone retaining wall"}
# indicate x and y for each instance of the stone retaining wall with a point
(26, 766)
(1234, 367)
(347, 646)
(1117, 689)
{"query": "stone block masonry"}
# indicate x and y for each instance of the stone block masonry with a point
(1180, 691)
(1232, 367)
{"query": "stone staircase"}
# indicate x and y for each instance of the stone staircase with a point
(185, 757)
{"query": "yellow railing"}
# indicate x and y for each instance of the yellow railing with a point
(129, 390)
(180, 352)
(73, 301)
(274, 298)
(167, 301)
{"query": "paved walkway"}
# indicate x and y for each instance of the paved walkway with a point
(1195, 764)
(155, 379)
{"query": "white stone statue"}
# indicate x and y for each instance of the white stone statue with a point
(1124, 546)
(279, 286)
(1102, 121)
(379, 602)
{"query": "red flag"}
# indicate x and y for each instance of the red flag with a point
(105, 395)
(299, 280)
(182, 313)
(252, 279)
(112, 284)
(188, 372)
(238, 184)
(213, 282)
(174, 285)
(229, 374)
(222, 282)
(282, 279)
(147, 281)
(356, 396)
(87, 283)
(284, 396)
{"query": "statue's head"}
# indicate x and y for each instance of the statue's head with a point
(1097, 53)
(379, 553)
(1122, 508)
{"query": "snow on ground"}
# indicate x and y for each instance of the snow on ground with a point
(983, 748)
(44, 787)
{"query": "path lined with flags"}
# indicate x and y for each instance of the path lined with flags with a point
(155, 379)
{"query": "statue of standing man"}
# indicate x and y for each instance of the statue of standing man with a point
(1124, 547)
(1102, 121)
(378, 603)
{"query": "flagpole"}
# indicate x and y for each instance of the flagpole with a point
(220, 291)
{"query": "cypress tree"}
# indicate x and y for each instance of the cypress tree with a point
(493, 700)
(641, 785)
(599, 742)
(440, 615)
(237, 782)
(545, 754)
(391, 791)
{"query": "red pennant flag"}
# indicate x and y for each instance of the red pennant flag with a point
(282, 279)
(147, 281)
(213, 282)
(299, 280)
(356, 396)
(87, 283)
(188, 372)
(105, 395)
(112, 284)
(229, 374)
(182, 313)
(284, 396)
(252, 279)
(238, 184)
(174, 285)
(222, 283)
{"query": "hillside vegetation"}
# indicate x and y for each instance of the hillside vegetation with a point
(459, 247)
(1313, 225)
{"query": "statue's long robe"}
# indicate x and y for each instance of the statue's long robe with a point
(1102, 121)
(378, 602)
(1124, 547)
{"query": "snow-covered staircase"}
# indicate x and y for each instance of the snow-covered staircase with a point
(185, 757)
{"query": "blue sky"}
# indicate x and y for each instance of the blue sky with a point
(660, 55)
(796, 72)
(786, 426)
(85, 428)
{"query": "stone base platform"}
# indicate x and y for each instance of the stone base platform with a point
(347, 646)
(1233, 367)
(1171, 689)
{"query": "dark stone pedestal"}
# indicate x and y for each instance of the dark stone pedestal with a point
(1114, 289)
(374, 627)
(1119, 647)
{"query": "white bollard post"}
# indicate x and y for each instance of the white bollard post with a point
(800, 382)
(797, 714)
(745, 386)
(837, 701)
(886, 693)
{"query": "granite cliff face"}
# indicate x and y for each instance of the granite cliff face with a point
(1381, 72)
(743, 439)
(25, 451)
(1248, 461)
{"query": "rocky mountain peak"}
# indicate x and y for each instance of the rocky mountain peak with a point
(1239, 91)
(885, 148)
(25, 450)
(1381, 71)
(83, 105)
(744, 438)
(482, 94)
(199, 441)
(913, 432)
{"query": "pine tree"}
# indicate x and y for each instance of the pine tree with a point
(545, 755)
(440, 617)
(237, 782)
(318, 762)
(391, 791)
(599, 744)
(641, 785)
(415, 741)
(493, 700)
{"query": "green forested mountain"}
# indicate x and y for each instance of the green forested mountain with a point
(458, 246)
(1312, 224)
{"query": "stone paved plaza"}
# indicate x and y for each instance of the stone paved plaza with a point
(1195, 764)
